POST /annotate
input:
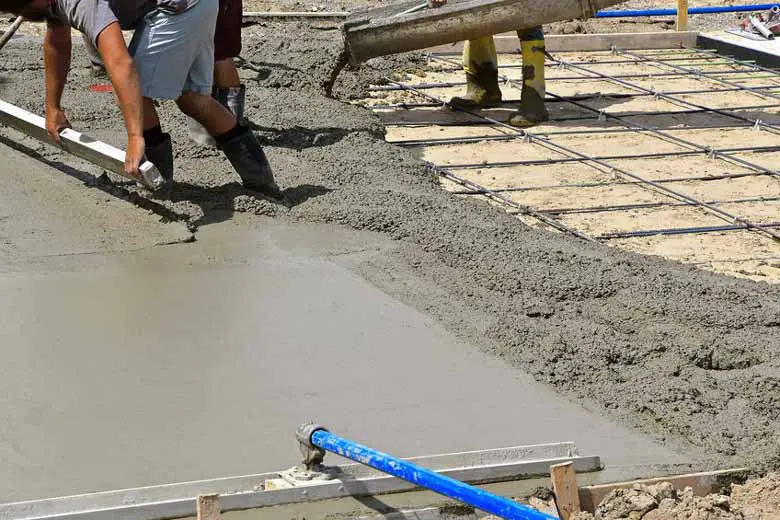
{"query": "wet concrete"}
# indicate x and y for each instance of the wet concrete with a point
(689, 357)
(196, 361)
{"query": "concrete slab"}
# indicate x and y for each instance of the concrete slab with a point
(127, 363)
(195, 361)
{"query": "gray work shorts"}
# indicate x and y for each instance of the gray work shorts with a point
(174, 53)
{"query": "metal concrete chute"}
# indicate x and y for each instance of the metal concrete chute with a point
(407, 26)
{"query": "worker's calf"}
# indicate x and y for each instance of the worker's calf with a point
(207, 111)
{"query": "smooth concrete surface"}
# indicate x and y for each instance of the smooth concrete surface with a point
(129, 364)
(170, 367)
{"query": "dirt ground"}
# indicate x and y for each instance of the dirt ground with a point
(690, 357)
(757, 499)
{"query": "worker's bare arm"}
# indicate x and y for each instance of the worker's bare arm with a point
(124, 78)
(56, 58)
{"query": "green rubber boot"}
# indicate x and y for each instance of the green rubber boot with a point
(532, 101)
(480, 62)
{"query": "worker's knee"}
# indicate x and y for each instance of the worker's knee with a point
(207, 111)
(193, 104)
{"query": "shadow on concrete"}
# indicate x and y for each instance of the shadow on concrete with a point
(378, 506)
(298, 137)
(218, 203)
(263, 69)
(102, 183)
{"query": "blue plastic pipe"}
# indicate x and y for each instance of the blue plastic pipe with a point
(692, 10)
(426, 478)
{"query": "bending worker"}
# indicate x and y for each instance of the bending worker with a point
(480, 61)
(228, 89)
(172, 58)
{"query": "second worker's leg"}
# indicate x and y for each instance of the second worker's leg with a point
(532, 108)
(228, 89)
(480, 62)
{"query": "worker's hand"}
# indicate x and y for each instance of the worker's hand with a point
(56, 122)
(134, 156)
(436, 3)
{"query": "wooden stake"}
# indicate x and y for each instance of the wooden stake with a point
(567, 497)
(682, 15)
(208, 507)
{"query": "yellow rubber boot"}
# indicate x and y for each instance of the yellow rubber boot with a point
(532, 110)
(480, 62)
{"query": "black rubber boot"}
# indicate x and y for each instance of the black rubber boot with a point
(162, 157)
(532, 109)
(248, 159)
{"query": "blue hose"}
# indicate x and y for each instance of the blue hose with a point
(692, 10)
(426, 478)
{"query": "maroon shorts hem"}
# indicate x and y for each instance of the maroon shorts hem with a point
(227, 34)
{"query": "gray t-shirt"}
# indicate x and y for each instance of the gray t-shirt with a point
(91, 17)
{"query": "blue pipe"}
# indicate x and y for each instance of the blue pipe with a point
(426, 478)
(692, 10)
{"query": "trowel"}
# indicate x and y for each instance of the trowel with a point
(410, 25)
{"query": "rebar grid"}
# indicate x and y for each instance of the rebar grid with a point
(481, 122)
(655, 131)
(519, 208)
(649, 183)
(659, 63)
(411, 143)
(648, 205)
(670, 97)
(707, 75)
(602, 166)
(714, 153)
(671, 180)
(735, 222)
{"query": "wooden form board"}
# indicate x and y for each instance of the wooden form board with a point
(78, 144)
(701, 483)
(564, 481)
(509, 43)
(208, 508)
(511, 468)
